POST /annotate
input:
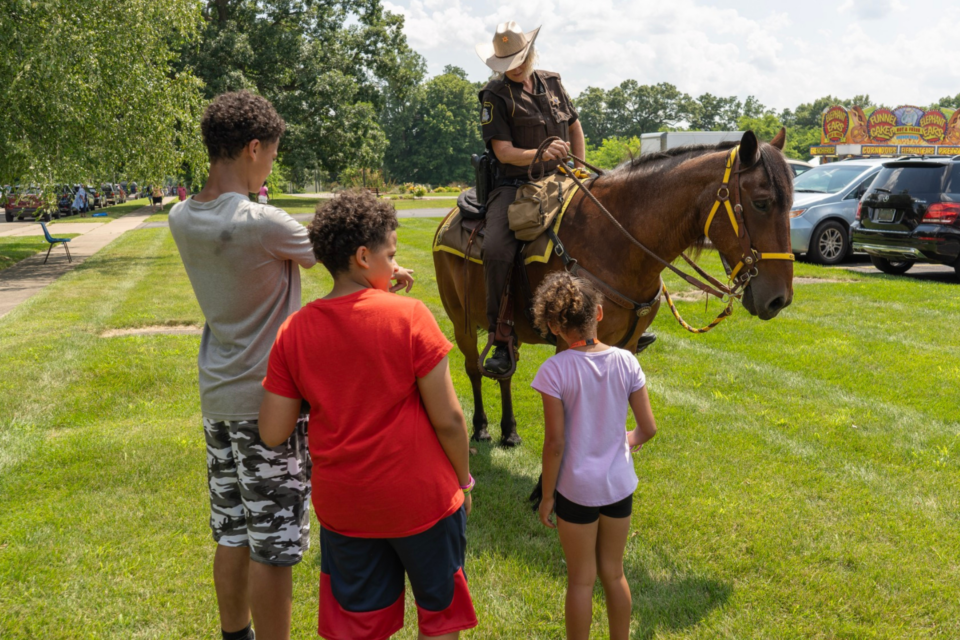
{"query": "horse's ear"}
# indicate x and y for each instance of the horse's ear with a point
(779, 139)
(749, 149)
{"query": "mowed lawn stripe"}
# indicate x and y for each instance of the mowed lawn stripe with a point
(761, 513)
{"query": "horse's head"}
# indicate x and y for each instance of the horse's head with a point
(766, 195)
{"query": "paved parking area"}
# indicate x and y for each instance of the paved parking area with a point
(928, 272)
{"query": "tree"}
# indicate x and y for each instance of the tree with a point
(613, 151)
(90, 92)
(594, 117)
(947, 102)
(631, 109)
(333, 69)
(441, 128)
(713, 113)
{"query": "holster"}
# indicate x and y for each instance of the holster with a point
(485, 167)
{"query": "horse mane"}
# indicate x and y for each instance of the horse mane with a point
(778, 172)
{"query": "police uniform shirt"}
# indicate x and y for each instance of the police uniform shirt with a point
(509, 113)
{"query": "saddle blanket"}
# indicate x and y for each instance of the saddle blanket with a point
(454, 235)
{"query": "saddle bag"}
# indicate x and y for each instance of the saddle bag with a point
(470, 207)
(536, 205)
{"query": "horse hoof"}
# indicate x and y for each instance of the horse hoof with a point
(511, 440)
(481, 435)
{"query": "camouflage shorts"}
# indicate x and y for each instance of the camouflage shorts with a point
(259, 496)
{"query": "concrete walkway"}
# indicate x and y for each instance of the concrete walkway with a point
(26, 278)
(21, 229)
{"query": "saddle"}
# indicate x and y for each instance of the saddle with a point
(454, 235)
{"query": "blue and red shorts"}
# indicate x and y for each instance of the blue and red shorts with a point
(362, 586)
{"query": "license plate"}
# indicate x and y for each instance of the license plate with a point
(886, 215)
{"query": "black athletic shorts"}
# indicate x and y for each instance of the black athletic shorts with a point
(574, 513)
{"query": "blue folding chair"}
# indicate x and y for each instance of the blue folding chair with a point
(54, 242)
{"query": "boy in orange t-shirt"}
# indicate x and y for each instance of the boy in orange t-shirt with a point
(391, 469)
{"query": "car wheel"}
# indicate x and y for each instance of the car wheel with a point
(829, 243)
(8, 216)
(893, 267)
(45, 217)
(56, 215)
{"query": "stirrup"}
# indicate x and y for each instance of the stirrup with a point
(511, 349)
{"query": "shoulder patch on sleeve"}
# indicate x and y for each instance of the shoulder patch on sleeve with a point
(486, 115)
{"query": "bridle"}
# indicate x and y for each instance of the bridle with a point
(749, 256)
(730, 198)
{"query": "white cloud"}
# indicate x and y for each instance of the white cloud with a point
(704, 48)
(870, 9)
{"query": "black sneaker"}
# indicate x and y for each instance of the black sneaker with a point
(499, 362)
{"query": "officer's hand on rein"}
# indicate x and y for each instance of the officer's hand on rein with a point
(558, 150)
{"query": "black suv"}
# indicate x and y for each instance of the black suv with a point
(910, 214)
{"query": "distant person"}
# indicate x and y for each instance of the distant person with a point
(157, 199)
(181, 192)
(243, 260)
(264, 192)
(80, 201)
(391, 461)
(588, 475)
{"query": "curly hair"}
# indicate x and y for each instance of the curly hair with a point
(232, 120)
(566, 301)
(352, 219)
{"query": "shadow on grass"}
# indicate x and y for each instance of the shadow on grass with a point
(673, 603)
(504, 524)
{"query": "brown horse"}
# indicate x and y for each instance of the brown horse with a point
(663, 200)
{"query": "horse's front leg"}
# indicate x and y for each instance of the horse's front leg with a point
(468, 346)
(508, 422)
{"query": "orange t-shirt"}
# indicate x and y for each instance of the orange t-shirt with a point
(378, 468)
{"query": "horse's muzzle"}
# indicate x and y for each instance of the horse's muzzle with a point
(765, 302)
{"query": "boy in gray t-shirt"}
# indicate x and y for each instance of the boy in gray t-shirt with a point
(242, 260)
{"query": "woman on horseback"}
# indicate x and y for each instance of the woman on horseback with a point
(520, 108)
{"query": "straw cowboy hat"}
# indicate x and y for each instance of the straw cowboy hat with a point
(509, 47)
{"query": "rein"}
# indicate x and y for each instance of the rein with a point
(749, 256)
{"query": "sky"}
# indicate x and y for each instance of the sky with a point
(784, 53)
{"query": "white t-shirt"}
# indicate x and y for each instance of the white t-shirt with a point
(595, 389)
(242, 259)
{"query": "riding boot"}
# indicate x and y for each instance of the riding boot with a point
(499, 251)
(497, 273)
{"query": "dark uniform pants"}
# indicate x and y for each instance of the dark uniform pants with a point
(499, 249)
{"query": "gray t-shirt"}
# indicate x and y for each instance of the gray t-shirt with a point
(242, 260)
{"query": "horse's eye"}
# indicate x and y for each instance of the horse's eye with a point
(761, 205)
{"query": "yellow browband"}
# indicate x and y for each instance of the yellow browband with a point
(723, 195)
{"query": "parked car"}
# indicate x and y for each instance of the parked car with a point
(24, 203)
(798, 166)
(99, 201)
(825, 202)
(65, 198)
(109, 195)
(911, 214)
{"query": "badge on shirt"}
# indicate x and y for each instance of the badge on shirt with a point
(486, 116)
(555, 101)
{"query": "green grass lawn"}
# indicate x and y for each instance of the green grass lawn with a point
(15, 249)
(113, 212)
(804, 482)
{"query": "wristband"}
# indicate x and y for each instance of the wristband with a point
(467, 488)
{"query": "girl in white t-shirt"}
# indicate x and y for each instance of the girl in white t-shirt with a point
(588, 475)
